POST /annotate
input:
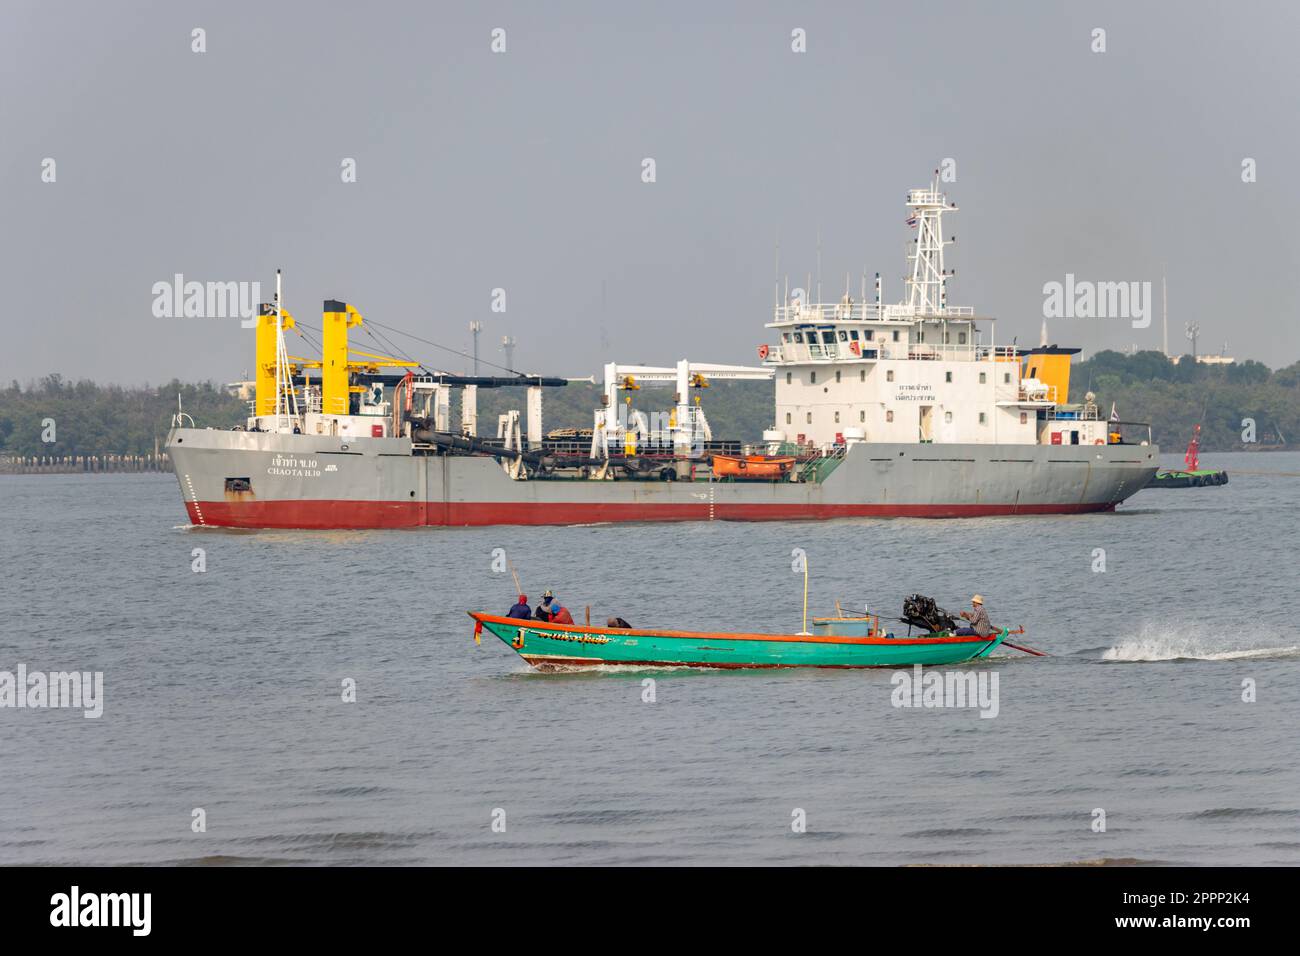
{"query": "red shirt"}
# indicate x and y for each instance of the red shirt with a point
(562, 616)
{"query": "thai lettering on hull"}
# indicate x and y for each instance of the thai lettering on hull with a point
(288, 467)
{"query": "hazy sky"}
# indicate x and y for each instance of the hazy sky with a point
(522, 170)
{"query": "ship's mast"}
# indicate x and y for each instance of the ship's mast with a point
(926, 293)
(286, 402)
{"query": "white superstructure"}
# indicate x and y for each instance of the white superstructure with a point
(917, 372)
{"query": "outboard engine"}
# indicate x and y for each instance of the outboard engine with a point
(921, 611)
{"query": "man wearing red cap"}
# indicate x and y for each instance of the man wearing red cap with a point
(521, 608)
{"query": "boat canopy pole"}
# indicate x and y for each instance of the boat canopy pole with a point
(804, 632)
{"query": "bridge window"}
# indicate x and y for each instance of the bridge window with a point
(1006, 378)
(889, 375)
(787, 418)
(828, 338)
(862, 415)
(837, 377)
(961, 338)
(983, 377)
(947, 376)
(789, 377)
(895, 335)
(813, 378)
(870, 334)
(853, 334)
(810, 418)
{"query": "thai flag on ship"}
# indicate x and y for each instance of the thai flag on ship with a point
(911, 221)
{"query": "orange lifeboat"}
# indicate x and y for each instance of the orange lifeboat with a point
(758, 467)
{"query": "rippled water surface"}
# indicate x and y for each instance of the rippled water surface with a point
(223, 690)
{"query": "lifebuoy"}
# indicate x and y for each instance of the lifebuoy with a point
(1099, 441)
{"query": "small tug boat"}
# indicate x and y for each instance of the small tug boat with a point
(838, 642)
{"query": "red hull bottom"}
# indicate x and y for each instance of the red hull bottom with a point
(334, 515)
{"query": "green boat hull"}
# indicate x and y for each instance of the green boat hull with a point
(557, 646)
(1187, 479)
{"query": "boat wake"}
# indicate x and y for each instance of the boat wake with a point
(606, 669)
(1167, 643)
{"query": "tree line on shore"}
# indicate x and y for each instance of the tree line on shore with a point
(84, 418)
(1241, 406)
(1238, 406)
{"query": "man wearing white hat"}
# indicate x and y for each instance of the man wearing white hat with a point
(978, 617)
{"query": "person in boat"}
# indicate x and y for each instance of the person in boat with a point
(545, 610)
(560, 614)
(979, 619)
(521, 609)
(618, 622)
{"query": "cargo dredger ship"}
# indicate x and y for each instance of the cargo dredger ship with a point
(881, 410)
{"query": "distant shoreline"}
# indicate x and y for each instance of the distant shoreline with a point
(86, 465)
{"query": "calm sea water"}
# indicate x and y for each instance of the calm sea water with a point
(223, 690)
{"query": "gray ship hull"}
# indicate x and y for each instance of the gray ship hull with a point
(266, 480)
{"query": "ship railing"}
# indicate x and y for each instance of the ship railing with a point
(1120, 426)
(925, 352)
(821, 462)
(852, 311)
(828, 312)
(686, 443)
(1018, 393)
(1087, 413)
(1123, 431)
(843, 311)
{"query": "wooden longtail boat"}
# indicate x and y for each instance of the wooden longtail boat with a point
(557, 646)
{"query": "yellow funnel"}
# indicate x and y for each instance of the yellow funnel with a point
(1051, 366)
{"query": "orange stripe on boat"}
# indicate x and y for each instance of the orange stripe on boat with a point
(543, 626)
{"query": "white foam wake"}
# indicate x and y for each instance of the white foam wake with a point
(1168, 643)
